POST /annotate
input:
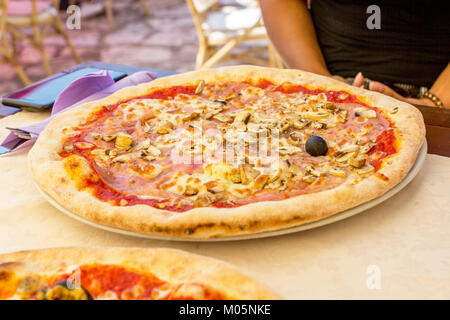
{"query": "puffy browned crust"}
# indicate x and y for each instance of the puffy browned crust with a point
(210, 222)
(169, 265)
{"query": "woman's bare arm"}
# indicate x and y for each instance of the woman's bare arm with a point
(291, 30)
(441, 86)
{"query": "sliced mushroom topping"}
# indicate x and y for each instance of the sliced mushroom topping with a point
(123, 141)
(99, 152)
(365, 112)
(165, 127)
(294, 141)
(366, 148)
(284, 164)
(346, 149)
(314, 171)
(96, 135)
(313, 99)
(344, 157)
(234, 175)
(216, 190)
(146, 127)
(111, 153)
(146, 155)
(123, 158)
(365, 169)
(223, 118)
(330, 106)
(108, 137)
(68, 147)
(240, 126)
(190, 191)
(318, 125)
(224, 102)
(296, 136)
(211, 111)
(247, 173)
(144, 144)
(276, 175)
(356, 163)
(152, 150)
(204, 200)
(342, 164)
(295, 170)
(315, 115)
(200, 87)
(219, 194)
(260, 182)
(83, 145)
(309, 179)
(230, 96)
(288, 150)
(285, 124)
(209, 197)
(283, 174)
(191, 116)
(300, 123)
(207, 115)
(337, 173)
(242, 116)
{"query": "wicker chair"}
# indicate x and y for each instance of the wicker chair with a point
(220, 30)
(22, 15)
(6, 50)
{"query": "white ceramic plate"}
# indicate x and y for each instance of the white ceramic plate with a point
(337, 217)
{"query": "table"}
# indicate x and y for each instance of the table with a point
(405, 240)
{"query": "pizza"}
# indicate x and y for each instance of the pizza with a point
(123, 274)
(228, 151)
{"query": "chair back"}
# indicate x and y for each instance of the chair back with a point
(3, 6)
(202, 5)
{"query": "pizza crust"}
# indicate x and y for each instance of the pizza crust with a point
(210, 222)
(169, 265)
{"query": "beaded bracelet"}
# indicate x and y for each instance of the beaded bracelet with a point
(437, 102)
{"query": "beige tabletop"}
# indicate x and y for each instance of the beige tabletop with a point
(398, 249)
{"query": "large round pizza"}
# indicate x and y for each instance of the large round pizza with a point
(227, 151)
(122, 274)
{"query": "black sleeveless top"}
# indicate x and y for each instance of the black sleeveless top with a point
(412, 46)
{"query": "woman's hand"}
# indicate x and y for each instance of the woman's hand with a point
(384, 89)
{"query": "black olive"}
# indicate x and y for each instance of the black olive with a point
(357, 114)
(316, 146)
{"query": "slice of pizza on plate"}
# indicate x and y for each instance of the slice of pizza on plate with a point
(122, 273)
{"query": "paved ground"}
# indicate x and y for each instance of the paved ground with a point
(166, 40)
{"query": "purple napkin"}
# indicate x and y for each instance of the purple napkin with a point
(90, 87)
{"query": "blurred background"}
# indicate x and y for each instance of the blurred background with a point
(39, 38)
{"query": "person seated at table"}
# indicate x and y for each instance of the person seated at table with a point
(399, 48)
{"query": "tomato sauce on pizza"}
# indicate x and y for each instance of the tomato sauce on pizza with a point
(176, 148)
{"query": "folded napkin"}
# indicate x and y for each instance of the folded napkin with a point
(90, 87)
